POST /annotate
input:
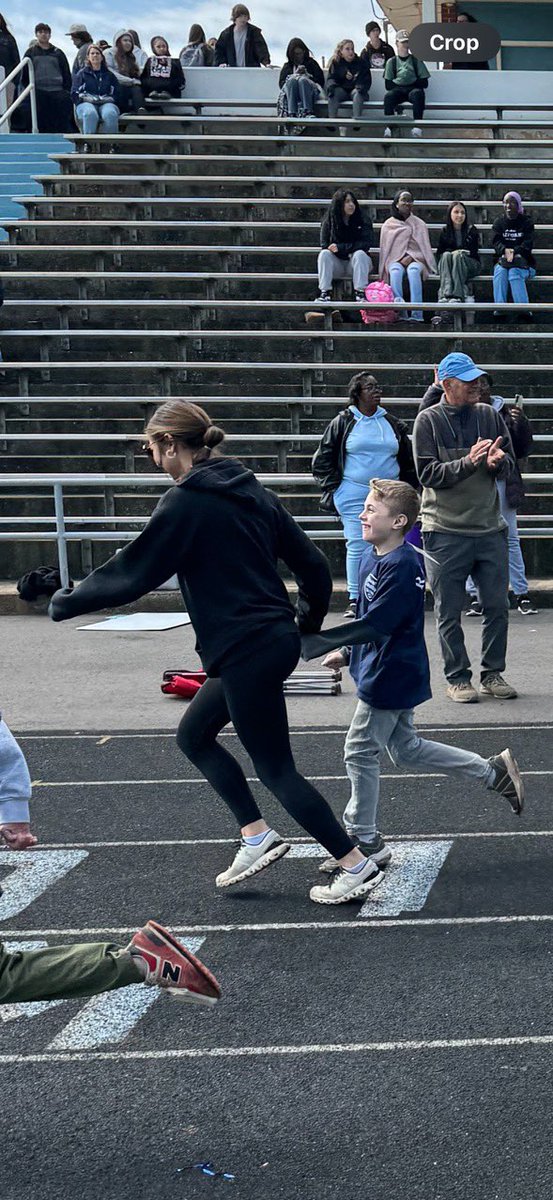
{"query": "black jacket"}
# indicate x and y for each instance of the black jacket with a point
(517, 235)
(521, 436)
(312, 68)
(359, 234)
(385, 50)
(329, 460)
(102, 85)
(349, 75)
(9, 53)
(446, 241)
(223, 534)
(152, 82)
(256, 49)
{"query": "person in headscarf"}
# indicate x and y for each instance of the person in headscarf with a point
(513, 243)
(301, 82)
(162, 77)
(121, 59)
(405, 250)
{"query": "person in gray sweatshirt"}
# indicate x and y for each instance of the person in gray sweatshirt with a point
(461, 448)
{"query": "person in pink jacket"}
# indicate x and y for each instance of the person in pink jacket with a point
(405, 250)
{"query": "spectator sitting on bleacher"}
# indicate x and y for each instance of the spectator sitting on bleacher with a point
(405, 79)
(457, 256)
(513, 243)
(139, 53)
(241, 44)
(162, 77)
(346, 238)
(81, 39)
(52, 82)
(405, 250)
(197, 52)
(122, 60)
(377, 52)
(301, 82)
(349, 78)
(95, 95)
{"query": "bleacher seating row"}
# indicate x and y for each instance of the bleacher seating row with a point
(183, 264)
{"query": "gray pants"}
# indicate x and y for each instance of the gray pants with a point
(456, 269)
(330, 267)
(486, 558)
(375, 729)
(339, 96)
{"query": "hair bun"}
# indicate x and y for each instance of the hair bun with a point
(213, 436)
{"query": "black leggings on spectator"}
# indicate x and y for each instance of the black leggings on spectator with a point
(249, 693)
(397, 96)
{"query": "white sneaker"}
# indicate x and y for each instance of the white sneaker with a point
(343, 885)
(376, 849)
(454, 300)
(387, 132)
(469, 299)
(399, 300)
(343, 130)
(416, 132)
(249, 860)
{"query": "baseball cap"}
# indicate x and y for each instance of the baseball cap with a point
(76, 29)
(459, 366)
(402, 35)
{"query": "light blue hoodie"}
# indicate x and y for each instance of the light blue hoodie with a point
(371, 448)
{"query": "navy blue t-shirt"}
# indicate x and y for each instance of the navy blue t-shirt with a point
(392, 672)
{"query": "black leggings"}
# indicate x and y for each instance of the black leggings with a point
(250, 694)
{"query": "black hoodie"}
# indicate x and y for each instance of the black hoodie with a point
(222, 533)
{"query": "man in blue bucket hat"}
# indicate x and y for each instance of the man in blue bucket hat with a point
(461, 448)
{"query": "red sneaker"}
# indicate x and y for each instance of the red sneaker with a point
(173, 967)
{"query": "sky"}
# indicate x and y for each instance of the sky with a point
(279, 20)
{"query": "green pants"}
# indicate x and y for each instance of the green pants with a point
(65, 972)
(456, 269)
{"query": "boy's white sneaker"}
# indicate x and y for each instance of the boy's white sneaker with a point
(249, 860)
(343, 885)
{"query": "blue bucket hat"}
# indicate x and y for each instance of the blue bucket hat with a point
(458, 366)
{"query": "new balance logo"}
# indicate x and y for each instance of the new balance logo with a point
(170, 972)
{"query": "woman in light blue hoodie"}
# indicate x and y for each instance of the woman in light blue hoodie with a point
(362, 443)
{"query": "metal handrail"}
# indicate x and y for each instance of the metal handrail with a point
(29, 90)
(61, 535)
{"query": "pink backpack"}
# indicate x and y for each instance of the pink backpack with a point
(375, 293)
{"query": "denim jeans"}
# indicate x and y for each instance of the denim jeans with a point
(15, 781)
(375, 729)
(517, 569)
(301, 95)
(515, 277)
(89, 117)
(414, 276)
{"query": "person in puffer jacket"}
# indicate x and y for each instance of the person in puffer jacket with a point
(162, 77)
(95, 94)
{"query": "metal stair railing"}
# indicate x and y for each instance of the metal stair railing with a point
(29, 90)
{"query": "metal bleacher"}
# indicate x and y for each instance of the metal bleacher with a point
(183, 263)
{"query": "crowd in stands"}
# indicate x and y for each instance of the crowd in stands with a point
(160, 76)
(406, 258)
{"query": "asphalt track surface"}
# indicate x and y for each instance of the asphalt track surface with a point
(361, 1051)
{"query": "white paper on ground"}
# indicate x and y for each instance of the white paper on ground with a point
(140, 622)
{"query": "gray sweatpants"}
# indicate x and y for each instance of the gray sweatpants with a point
(486, 558)
(330, 267)
(375, 729)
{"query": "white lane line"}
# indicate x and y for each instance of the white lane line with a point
(111, 1016)
(292, 926)
(393, 837)
(485, 1043)
(408, 880)
(313, 732)
(98, 783)
(32, 872)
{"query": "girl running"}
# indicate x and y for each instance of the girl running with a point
(223, 534)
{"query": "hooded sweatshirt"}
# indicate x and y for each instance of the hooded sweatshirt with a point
(140, 57)
(222, 533)
(162, 74)
(514, 233)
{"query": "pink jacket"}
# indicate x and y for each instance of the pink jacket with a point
(398, 238)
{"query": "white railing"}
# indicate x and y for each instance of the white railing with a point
(29, 90)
